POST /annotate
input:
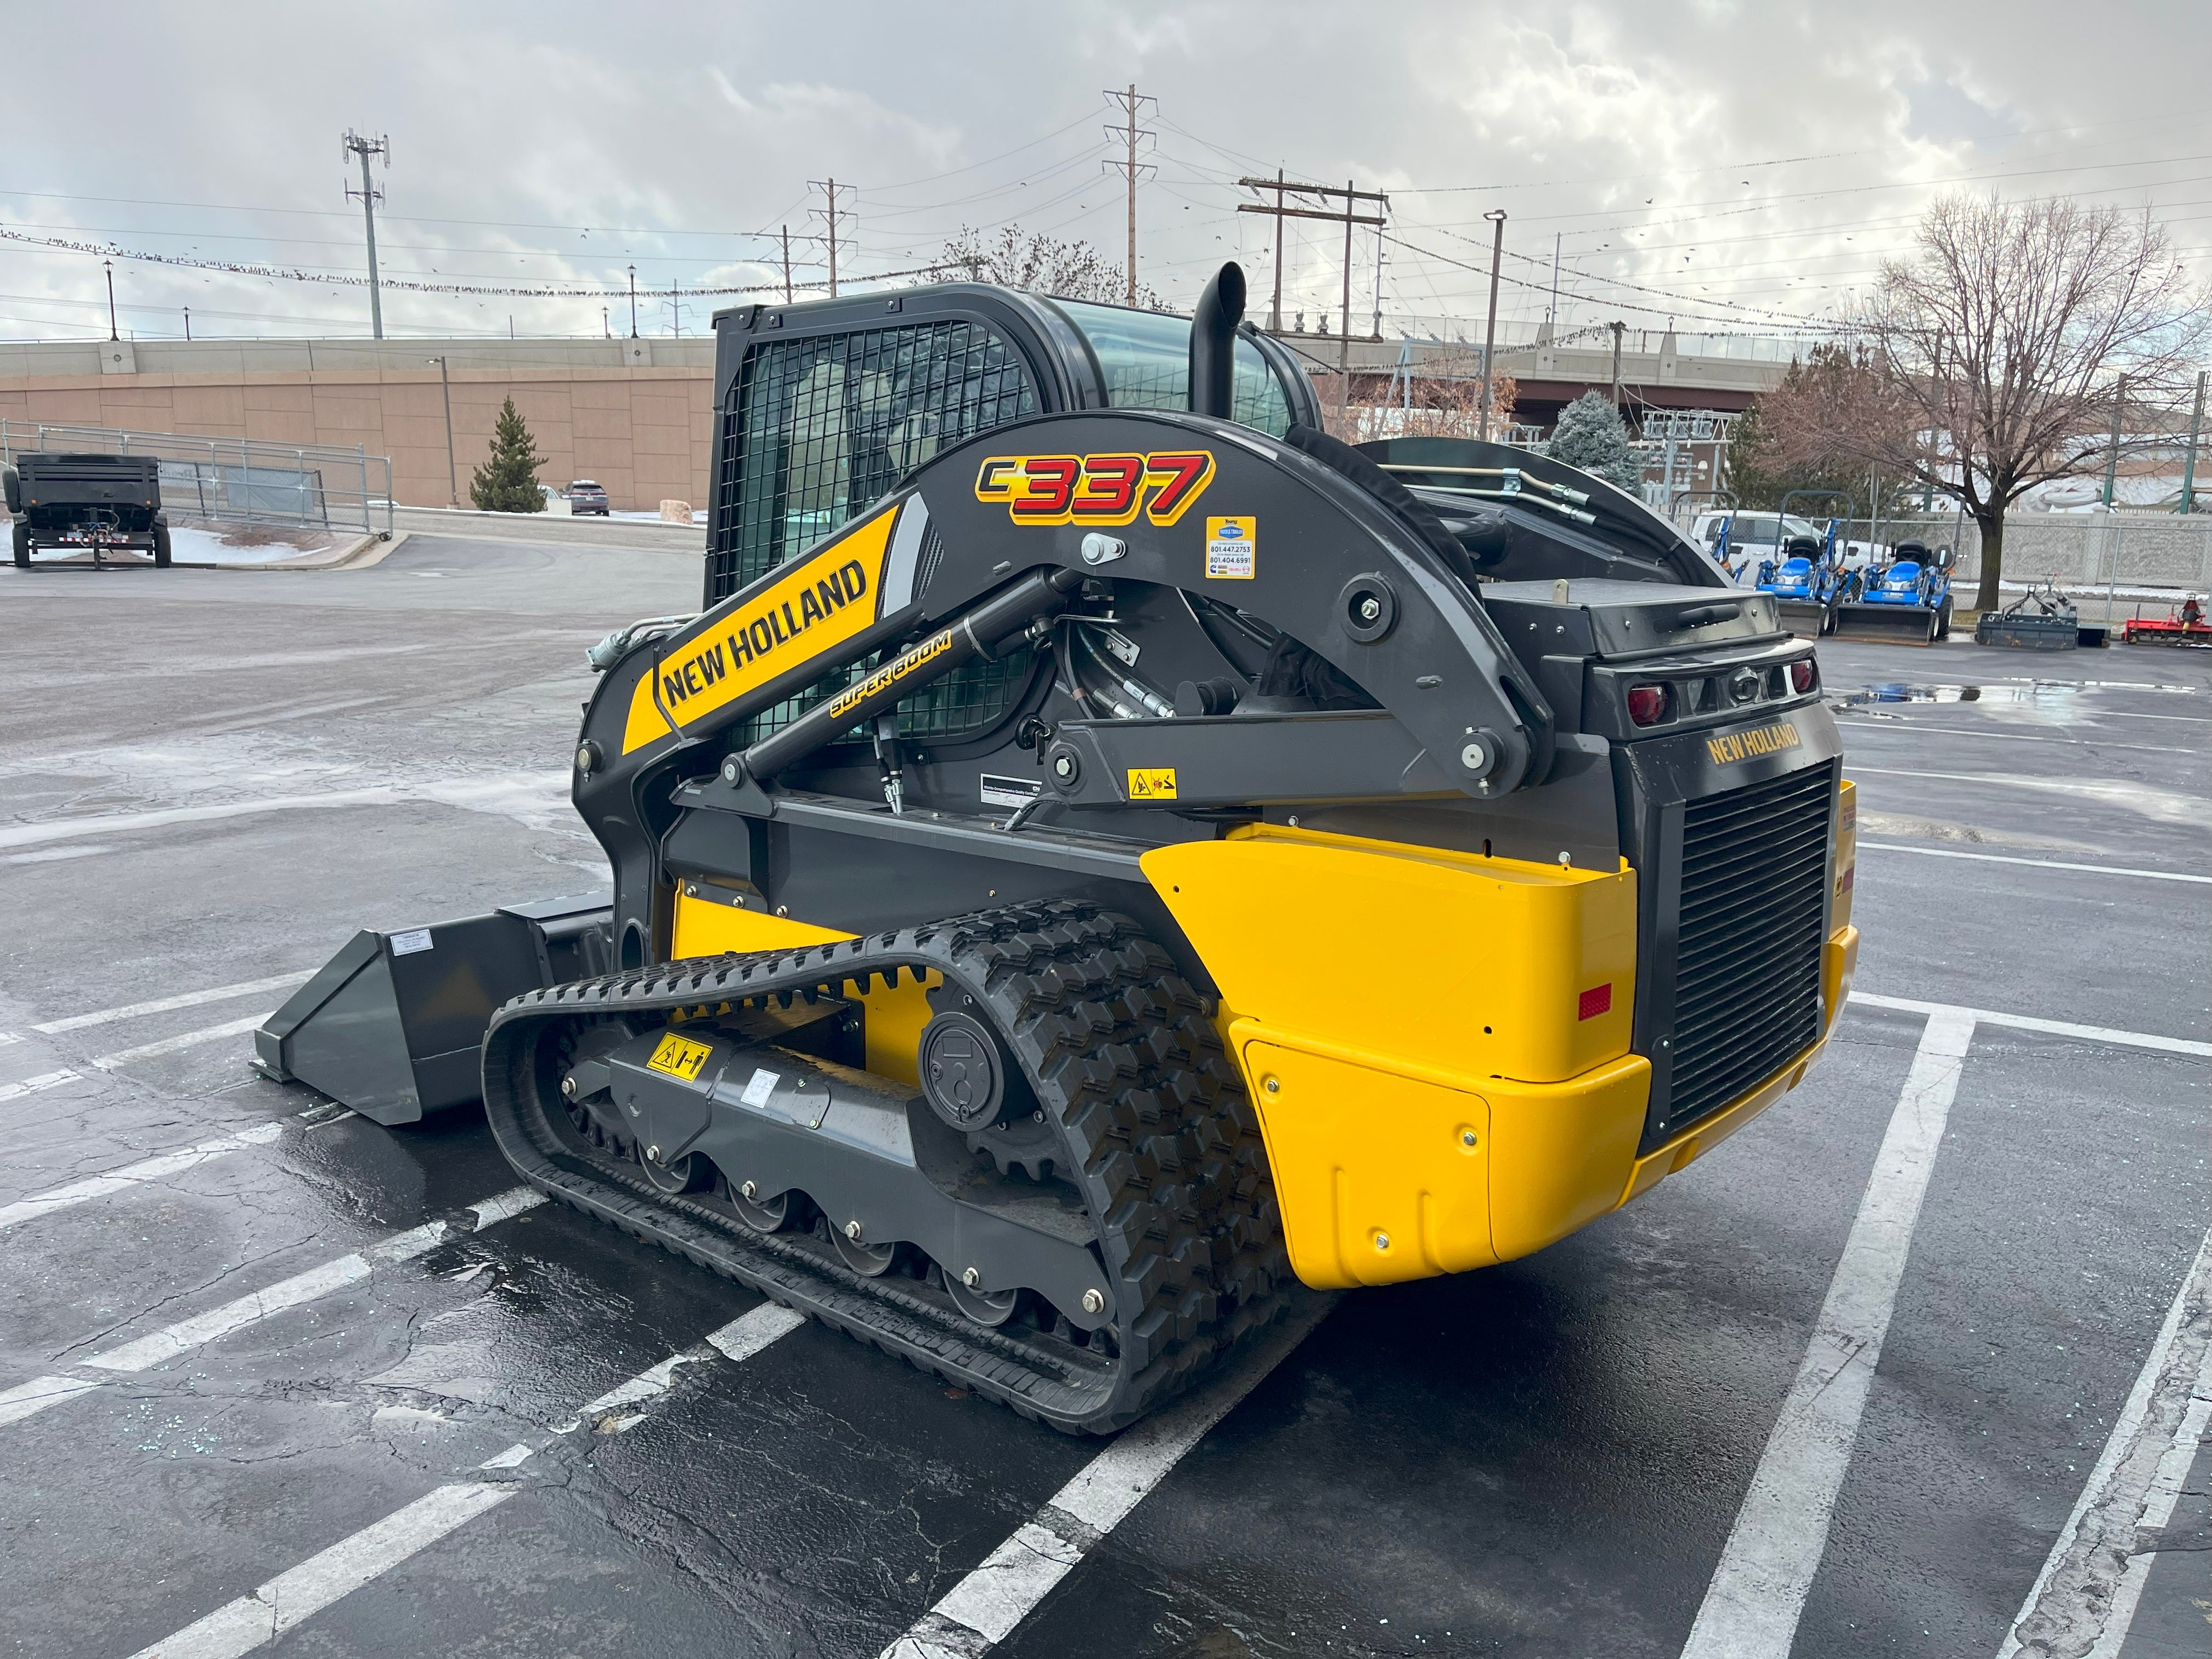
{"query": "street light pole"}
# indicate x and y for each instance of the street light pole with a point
(112, 333)
(1496, 217)
(452, 471)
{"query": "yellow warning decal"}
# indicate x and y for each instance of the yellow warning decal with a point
(1758, 740)
(679, 1057)
(811, 606)
(1151, 783)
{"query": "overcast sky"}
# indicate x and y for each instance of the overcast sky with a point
(1727, 167)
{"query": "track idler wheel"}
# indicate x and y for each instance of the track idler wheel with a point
(869, 1260)
(990, 1308)
(762, 1215)
(687, 1174)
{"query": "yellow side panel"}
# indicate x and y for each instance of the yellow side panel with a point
(1447, 963)
(893, 1018)
(705, 929)
(1847, 853)
(1561, 1152)
(1380, 1177)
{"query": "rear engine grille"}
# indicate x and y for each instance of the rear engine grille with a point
(1747, 957)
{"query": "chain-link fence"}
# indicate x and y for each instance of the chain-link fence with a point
(242, 481)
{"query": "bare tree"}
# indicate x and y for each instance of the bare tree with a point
(1991, 360)
(1038, 263)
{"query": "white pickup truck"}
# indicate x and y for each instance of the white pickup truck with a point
(1754, 536)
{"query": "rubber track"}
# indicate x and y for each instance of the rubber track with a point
(1160, 1139)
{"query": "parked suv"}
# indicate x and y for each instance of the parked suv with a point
(585, 496)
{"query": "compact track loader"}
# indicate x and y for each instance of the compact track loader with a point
(1107, 852)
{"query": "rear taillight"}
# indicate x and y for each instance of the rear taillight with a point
(1648, 704)
(1803, 675)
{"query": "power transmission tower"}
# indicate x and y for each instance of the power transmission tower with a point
(1129, 132)
(1347, 218)
(355, 145)
(829, 215)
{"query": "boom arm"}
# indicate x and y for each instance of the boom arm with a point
(1010, 527)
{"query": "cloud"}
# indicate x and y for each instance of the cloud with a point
(1746, 160)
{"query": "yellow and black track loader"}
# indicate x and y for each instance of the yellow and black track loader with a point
(1109, 853)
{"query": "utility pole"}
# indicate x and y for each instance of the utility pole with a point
(828, 216)
(1496, 217)
(1129, 132)
(355, 145)
(111, 332)
(633, 302)
(2189, 461)
(1352, 196)
(188, 335)
(452, 471)
(1553, 316)
(1616, 328)
(786, 264)
(1275, 312)
(2112, 456)
(1377, 335)
(606, 324)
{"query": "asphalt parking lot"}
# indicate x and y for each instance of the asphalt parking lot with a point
(1917, 1363)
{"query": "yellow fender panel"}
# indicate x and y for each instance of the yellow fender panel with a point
(1436, 1041)
(1450, 964)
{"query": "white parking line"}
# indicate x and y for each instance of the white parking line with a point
(2040, 863)
(165, 1005)
(153, 1169)
(30, 1399)
(487, 792)
(189, 1040)
(986, 1607)
(31, 1085)
(2085, 1598)
(293, 1597)
(2029, 1023)
(1907, 724)
(1757, 1592)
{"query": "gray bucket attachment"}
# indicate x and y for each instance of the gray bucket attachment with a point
(1893, 624)
(393, 1024)
(1807, 618)
(2026, 631)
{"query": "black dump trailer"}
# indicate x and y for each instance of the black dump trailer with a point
(95, 502)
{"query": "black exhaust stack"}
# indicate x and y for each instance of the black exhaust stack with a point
(1213, 344)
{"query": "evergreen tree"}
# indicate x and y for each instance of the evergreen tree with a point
(1591, 436)
(508, 482)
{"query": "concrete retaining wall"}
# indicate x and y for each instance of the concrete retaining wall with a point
(633, 414)
(2082, 549)
(554, 528)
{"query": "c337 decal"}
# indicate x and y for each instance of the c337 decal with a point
(1112, 489)
(1758, 740)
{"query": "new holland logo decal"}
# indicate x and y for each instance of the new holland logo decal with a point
(1733, 746)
